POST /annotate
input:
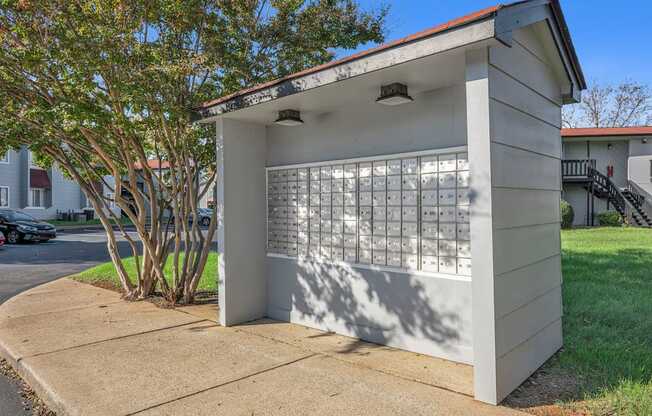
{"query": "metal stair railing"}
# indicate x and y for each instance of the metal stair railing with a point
(577, 168)
(642, 200)
(613, 193)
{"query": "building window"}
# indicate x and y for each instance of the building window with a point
(4, 158)
(4, 196)
(38, 198)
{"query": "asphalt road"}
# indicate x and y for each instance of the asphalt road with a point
(24, 266)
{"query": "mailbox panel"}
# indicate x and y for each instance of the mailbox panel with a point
(409, 212)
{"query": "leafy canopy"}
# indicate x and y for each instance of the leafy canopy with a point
(70, 69)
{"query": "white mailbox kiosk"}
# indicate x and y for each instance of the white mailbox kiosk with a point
(408, 195)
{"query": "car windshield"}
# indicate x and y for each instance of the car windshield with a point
(17, 216)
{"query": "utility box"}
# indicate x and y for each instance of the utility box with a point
(409, 195)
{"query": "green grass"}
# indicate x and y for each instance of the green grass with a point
(105, 273)
(608, 318)
(96, 221)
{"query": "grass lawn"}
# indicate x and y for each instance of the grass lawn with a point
(607, 354)
(105, 275)
(96, 221)
(608, 317)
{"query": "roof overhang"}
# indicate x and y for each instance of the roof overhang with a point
(606, 133)
(485, 27)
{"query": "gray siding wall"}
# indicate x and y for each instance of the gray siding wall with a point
(639, 164)
(419, 313)
(526, 182)
(10, 175)
(65, 195)
(527, 247)
(515, 153)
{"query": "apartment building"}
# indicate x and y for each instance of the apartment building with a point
(42, 193)
(608, 169)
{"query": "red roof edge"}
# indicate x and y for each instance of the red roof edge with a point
(154, 164)
(460, 21)
(607, 131)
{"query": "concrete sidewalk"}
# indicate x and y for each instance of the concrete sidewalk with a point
(86, 352)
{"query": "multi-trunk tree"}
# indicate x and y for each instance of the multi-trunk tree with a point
(101, 88)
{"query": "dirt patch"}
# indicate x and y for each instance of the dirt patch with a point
(31, 402)
(546, 392)
(105, 284)
(157, 299)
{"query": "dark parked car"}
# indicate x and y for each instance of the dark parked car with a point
(2, 239)
(205, 215)
(18, 226)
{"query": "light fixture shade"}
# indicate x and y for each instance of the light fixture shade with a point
(394, 94)
(289, 118)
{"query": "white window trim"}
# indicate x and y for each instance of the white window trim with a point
(31, 201)
(6, 159)
(8, 197)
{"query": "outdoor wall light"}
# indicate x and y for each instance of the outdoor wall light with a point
(644, 140)
(289, 118)
(609, 146)
(394, 94)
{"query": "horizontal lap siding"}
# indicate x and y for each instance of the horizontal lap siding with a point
(525, 207)
(525, 101)
(513, 368)
(10, 176)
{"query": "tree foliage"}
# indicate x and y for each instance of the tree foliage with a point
(624, 105)
(101, 87)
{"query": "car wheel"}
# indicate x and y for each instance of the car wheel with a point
(206, 222)
(13, 237)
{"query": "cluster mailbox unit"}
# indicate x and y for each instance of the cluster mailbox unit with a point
(408, 195)
(409, 212)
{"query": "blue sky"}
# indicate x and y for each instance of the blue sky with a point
(613, 38)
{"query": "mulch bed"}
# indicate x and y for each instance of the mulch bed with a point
(543, 393)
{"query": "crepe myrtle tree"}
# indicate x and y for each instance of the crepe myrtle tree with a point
(103, 87)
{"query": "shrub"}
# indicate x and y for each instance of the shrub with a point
(610, 219)
(567, 215)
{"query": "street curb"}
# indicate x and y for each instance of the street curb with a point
(65, 228)
(42, 390)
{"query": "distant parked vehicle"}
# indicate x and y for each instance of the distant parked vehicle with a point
(205, 215)
(18, 226)
(2, 239)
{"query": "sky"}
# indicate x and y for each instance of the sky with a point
(613, 38)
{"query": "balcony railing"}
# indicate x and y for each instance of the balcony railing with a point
(577, 168)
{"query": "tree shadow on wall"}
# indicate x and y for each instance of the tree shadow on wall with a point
(375, 306)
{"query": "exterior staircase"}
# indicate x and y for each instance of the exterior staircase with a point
(628, 202)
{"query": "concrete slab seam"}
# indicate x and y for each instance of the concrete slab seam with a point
(226, 383)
